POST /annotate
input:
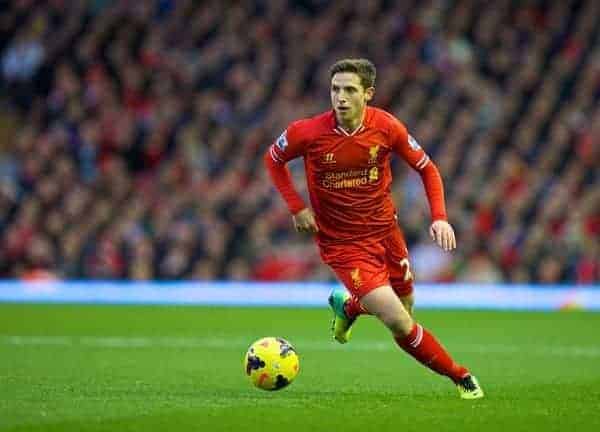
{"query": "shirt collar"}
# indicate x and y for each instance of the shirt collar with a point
(361, 127)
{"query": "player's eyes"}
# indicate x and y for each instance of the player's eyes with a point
(347, 90)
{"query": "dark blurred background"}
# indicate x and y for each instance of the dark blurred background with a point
(131, 133)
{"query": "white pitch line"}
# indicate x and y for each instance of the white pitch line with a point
(134, 342)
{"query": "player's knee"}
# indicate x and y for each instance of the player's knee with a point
(400, 324)
(403, 326)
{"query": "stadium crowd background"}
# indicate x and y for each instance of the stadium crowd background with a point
(131, 133)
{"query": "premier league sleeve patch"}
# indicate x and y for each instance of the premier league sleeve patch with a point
(413, 144)
(282, 142)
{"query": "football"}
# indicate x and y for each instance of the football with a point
(271, 363)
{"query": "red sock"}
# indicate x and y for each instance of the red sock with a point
(424, 347)
(353, 308)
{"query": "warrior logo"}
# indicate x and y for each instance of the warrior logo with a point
(328, 158)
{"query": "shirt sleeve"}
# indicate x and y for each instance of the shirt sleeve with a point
(288, 146)
(409, 149)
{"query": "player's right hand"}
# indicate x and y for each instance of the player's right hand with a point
(304, 221)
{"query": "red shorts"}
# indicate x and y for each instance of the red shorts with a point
(365, 265)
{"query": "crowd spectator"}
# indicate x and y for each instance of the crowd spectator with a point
(134, 130)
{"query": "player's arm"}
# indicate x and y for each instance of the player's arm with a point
(287, 147)
(407, 147)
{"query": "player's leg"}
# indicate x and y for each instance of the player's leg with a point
(401, 280)
(346, 308)
(417, 341)
(398, 264)
(402, 285)
(387, 307)
(366, 268)
(361, 277)
(346, 304)
(408, 301)
(360, 274)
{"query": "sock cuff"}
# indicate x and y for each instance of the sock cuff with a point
(415, 336)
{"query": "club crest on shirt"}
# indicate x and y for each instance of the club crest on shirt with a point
(413, 144)
(373, 151)
(282, 141)
(355, 276)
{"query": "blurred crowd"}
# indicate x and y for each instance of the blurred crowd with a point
(132, 132)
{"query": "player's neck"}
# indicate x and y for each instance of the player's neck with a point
(352, 125)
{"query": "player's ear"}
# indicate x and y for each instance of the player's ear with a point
(369, 93)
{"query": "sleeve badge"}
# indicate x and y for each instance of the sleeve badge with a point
(282, 141)
(413, 144)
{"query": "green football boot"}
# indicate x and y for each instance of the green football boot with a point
(469, 388)
(341, 325)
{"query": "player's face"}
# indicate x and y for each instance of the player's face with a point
(349, 98)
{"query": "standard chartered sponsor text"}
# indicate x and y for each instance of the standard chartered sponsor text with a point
(337, 175)
(346, 179)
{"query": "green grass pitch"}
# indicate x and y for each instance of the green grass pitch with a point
(145, 368)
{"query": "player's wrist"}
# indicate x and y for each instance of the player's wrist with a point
(296, 210)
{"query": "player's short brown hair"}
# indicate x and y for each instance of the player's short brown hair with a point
(364, 68)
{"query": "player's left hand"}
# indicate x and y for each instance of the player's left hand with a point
(443, 234)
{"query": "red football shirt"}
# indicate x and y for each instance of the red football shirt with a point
(349, 176)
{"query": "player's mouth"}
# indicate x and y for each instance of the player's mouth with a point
(343, 109)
